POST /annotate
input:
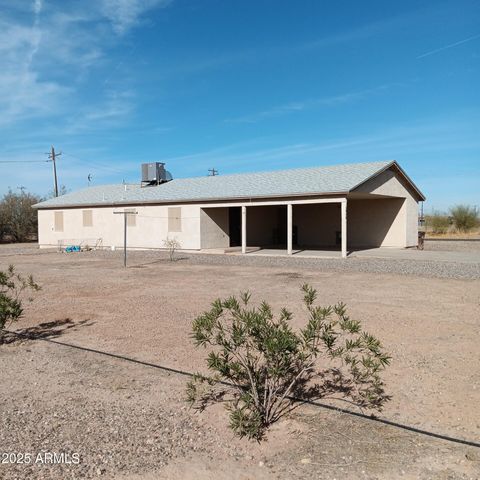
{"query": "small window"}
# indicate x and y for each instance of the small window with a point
(58, 217)
(175, 219)
(131, 218)
(88, 218)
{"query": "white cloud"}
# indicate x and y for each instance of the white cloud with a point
(22, 93)
(126, 14)
(298, 106)
(48, 49)
(108, 113)
(426, 137)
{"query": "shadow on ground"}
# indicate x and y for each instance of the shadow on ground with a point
(160, 261)
(45, 330)
(334, 383)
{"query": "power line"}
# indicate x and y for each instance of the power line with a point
(24, 161)
(98, 165)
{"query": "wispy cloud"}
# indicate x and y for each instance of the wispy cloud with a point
(108, 113)
(379, 30)
(126, 14)
(446, 47)
(46, 51)
(426, 137)
(298, 106)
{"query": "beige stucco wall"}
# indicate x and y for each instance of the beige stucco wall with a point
(214, 228)
(404, 231)
(411, 222)
(376, 223)
(150, 231)
(317, 224)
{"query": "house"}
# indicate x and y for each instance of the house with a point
(336, 207)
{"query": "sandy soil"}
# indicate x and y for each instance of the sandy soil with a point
(430, 327)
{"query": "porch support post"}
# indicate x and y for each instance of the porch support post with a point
(344, 227)
(244, 229)
(289, 229)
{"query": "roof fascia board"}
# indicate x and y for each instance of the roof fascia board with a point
(240, 200)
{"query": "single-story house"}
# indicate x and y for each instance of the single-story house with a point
(342, 206)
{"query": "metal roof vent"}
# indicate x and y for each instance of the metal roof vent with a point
(154, 174)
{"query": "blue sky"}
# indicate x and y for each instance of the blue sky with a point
(240, 86)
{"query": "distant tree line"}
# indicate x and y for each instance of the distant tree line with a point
(18, 220)
(460, 218)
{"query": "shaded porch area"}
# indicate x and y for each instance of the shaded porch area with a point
(318, 227)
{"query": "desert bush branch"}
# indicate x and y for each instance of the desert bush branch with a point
(13, 287)
(172, 245)
(261, 361)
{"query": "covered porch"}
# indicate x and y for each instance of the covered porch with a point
(277, 225)
(295, 226)
(328, 227)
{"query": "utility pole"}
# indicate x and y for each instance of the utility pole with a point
(52, 155)
(125, 213)
(212, 172)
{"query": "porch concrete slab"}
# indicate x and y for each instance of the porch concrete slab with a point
(273, 252)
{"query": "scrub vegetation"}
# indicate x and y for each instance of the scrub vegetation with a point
(13, 288)
(172, 245)
(438, 223)
(18, 220)
(260, 364)
(459, 219)
(464, 217)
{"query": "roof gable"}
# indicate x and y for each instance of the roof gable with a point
(395, 170)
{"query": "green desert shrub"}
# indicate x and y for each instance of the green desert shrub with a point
(259, 364)
(438, 223)
(465, 218)
(13, 288)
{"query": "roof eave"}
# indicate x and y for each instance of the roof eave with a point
(39, 206)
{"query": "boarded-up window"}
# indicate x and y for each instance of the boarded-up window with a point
(175, 219)
(131, 218)
(88, 218)
(58, 217)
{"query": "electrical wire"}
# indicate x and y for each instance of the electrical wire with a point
(24, 161)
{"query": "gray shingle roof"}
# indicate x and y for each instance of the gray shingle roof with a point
(298, 181)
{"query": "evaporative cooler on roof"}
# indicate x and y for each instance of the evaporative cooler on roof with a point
(154, 174)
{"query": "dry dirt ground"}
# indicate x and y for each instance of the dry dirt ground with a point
(129, 421)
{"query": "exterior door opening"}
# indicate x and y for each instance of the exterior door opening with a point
(235, 226)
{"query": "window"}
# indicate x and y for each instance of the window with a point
(131, 219)
(58, 221)
(88, 218)
(175, 219)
